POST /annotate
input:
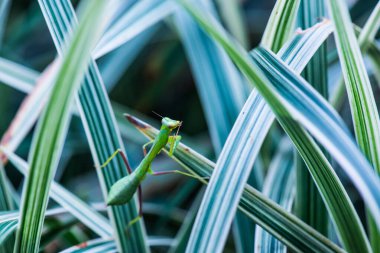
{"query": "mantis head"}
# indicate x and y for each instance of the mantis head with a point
(173, 140)
(171, 124)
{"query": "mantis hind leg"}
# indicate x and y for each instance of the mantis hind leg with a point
(139, 191)
(139, 195)
(125, 160)
(173, 143)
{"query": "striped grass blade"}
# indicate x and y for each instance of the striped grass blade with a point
(52, 127)
(101, 130)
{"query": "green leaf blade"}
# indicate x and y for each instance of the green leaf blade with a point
(101, 131)
(280, 24)
(362, 102)
(309, 204)
(345, 219)
(280, 102)
(51, 130)
(222, 91)
(361, 98)
(279, 186)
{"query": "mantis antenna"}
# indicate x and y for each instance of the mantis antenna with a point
(158, 114)
(180, 124)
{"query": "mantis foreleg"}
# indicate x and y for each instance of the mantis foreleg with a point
(173, 142)
(145, 145)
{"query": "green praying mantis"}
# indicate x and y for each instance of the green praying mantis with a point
(123, 190)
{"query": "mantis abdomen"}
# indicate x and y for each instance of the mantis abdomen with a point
(122, 191)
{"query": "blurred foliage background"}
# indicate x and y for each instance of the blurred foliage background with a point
(158, 79)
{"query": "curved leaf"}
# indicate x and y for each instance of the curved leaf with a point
(279, 186)
(51, 130)
(309, 205)
(17, 76)
(232, 14)
(280, 24)
(219, 84)
(286, 105)
(4, 10)
(362, 102)
(9, 221)
(222, 91)
(100, 127)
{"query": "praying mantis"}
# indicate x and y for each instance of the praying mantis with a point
(123, 190)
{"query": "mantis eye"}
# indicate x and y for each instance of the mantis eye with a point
(172, 124)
